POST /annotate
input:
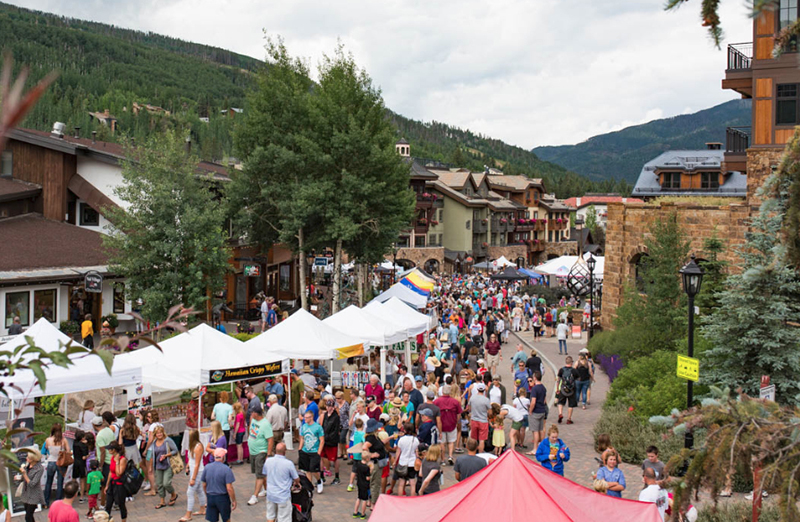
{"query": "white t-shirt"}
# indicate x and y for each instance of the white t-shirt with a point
(499, 326)
(85, 421)
(513, 413)
(407, 444)
(657, 496)
(495, 394)
(264, 307)
(562, 331)
(522, 404)
(488, 457)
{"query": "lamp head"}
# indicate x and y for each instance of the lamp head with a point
(692, 276)
(591, 262)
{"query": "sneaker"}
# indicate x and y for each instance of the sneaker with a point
(82, 500)
(349, 488)
(146, 486)
(253, 501)
(560, 418)
(363, 515)
(262, 493)
(569, 421)
(356, 515)
(319, 487)
(336, 482)
(458, 450)
(327, 473)
(450, 461)
(128, 499)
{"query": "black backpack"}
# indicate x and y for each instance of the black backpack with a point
(567, 382)
(132, 479)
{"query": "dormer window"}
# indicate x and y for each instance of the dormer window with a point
(709, 180)
(671, 180)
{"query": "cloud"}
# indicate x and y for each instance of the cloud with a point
(530, 73)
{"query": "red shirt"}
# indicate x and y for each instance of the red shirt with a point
(449, 411)
(62, 512)
(493, 348)
(376, 391)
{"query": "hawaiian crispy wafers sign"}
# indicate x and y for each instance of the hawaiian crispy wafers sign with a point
(245, 372)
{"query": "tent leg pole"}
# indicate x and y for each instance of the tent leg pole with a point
(289, 395)
(199, 408)
(66, 402)
(408, 355)
(383, 364)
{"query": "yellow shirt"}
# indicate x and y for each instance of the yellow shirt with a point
(86, 329)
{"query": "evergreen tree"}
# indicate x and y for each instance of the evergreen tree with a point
(172, 249)
(591, 219)
(715, 273)
(753, 330)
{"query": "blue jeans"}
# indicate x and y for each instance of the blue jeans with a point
(562, 344)
(52, 470)
(581, 387)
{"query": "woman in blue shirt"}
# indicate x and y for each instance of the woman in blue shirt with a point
(552, 452)
(612, 474)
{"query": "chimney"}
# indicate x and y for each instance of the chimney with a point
(94, 136)
(77, 132)
(58, 130)
(714, 146)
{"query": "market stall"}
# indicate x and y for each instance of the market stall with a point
(403, 293)
(515, 487)
(396, 311)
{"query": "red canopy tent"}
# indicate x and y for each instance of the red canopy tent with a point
(514, 488)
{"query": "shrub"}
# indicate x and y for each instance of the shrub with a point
(113, 322)
(49, 404)
(737, 512)
(69, 327)
(650, 385)
(549, 293)
(244, 327)
(628, 342)
(631, 435)
(244, 336)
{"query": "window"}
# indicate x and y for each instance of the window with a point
(18, 305)
(6, 164)
(89, 216)
(672, 180)
(787, 13)
(285, 278)
(441, 215)
(468, 224)
(787, 108)
(419, 241)
(119, 298)
(709, 180)
(402, 241)
(44, 305)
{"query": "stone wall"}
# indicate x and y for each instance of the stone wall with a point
(628, 225)
(560, 248)
(419, 256)
(512, 252)
(760, 163)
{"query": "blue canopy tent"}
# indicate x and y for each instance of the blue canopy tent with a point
(531, 274)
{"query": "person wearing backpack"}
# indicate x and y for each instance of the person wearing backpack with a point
(567, 377)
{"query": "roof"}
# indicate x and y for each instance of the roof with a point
(551, 203)
(13, 189)
(735, 184)
(107, 149)
(498, 202)
(420, 172)
(36, 242)
(478, 178)
(516, 182)
(401, 141)
(455, 179)
(587, 200)
(456, 195)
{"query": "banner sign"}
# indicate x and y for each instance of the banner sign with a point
(93, 282)
(320, 261)
(688, 368)
(252, 270)
(245, 372)
(139, 396)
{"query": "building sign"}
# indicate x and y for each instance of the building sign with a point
(252, 270)
(766, 390)
(93, 282)
(320, 261)
(688, 368)
(247, 372)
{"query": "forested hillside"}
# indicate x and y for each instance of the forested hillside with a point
(448, 144)
(621, 154)
(103, 67)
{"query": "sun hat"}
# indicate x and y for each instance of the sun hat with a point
(373, 425)
(397, 402)
(34, 452)
(434, 361)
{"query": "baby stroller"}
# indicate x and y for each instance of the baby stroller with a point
(301, 500)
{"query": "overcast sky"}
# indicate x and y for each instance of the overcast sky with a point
(530, 72)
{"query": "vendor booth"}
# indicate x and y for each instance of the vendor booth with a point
(509, 273)
(512, 488)
(403, 293)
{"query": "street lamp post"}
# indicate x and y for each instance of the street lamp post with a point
(591, 263)
(394, 261)
(692, 276)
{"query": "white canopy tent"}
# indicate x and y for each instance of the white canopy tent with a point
(303, 336)
(377, 332)
(403, 293)
(502, 262)
(396, 311)
(86, 373)
(561, 266)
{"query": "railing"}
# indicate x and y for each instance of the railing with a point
(478, 249)
(740, 56)
(737, 139)
(479, 226)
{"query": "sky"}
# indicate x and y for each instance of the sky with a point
(529, 72)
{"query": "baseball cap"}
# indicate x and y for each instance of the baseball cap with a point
(426, 412)
(97, 421)
(418, 378)
(480, 387)
(220, 453)
(429, 394)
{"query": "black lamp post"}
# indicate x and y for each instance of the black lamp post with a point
(591, 264)
(394, 260)
(692, 276)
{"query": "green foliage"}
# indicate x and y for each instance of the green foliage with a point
(113, 321)
(662, 314)
(591, 218)
(629, 342)
(715, 272)
(49, 404)
(631, 437)
(737, 511)
(174, 249)
(550, 294)
(245, 336)
(749, 330)
(621, 154)
(790, 172)
(69, 327)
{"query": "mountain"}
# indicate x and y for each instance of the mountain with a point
(103, 67)
(621, 154)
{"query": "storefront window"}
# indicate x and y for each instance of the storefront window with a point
(44, 305)
(286, 275)
(18, 305)
(119, 298)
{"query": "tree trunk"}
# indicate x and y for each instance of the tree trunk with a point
(337, 277)
(360, 275)
(756, 491)
(303, 269)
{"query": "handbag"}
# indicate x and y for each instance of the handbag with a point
(402, 471)
(132, 479)
(176, 463)
(65, 458)
(20, 489)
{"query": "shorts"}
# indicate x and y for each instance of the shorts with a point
(281, 512)
(516, 425)
(239, 438)
(449, 436)
(308, 462)
(218, 507)
(464, 436)
(257, 464)
(536, 421)
(548, 324)
(343, 437)
(571, 401)
(479, 430)
(363, 493)
(385, 471)
(525, 421)
(492, 360)
(277, 436)
(411, 475)
(330, 453)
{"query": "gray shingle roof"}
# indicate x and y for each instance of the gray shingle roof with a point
(647, 185)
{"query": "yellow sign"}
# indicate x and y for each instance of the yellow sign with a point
(688, 368)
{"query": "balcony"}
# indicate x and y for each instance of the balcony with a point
(539, 225)
(555, 225)
(536, 245)
(527, 226)
(739, 74)
(737, 141)
(480, 226)
(421, 226)
(479, 249)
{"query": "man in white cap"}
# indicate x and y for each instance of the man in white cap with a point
(479, 409)
(217, 480)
